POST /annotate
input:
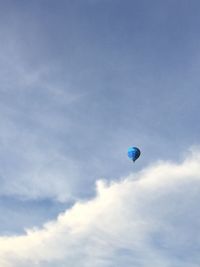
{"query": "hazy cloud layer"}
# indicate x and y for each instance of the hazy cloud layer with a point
(80, 81)
(149, 219)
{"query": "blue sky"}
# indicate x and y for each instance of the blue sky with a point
(81, 81)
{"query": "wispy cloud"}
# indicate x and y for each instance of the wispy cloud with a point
(80, 82)
(35, 108)
(150, 218)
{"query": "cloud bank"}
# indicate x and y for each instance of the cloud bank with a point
(148, 219)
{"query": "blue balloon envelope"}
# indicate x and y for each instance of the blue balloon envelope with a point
(133, 153)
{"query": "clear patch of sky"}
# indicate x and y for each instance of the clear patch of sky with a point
(17, 215)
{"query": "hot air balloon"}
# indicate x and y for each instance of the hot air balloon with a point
(133, 153)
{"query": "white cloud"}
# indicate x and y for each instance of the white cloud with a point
(150, 218)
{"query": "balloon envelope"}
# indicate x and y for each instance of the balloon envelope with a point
(133, 153)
